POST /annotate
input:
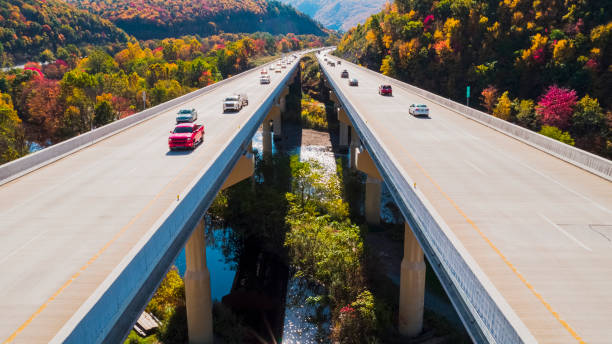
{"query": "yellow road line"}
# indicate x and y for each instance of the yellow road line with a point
(93, 259)
(489, 242)
(106, 246)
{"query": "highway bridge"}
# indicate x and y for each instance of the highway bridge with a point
(517, 229)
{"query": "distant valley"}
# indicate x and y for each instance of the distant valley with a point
(338, 14)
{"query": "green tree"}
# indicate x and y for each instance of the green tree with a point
(557, 134)
(103, 113)
(2, 58)
(525, 113)
(12, 141)
(170, 294)
(46, 56)
(71, 122)
(99, 61)
(412, 29)
(62, 54)
(588, 119)
(165, 90)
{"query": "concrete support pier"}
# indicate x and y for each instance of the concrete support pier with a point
(412, 286)
(275, 115)
(278, 127)
(372, 200)
(345, 124)
(344, 135)
(373, 187)
(282, 101)
(354, 146)
(266, 137)
(197, 289)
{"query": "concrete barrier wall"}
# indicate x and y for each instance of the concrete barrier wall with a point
(484, 312)
(578, 157)
(31, 162)
(109, 314)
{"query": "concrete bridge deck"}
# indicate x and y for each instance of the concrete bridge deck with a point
(538, 228)
(66, 227)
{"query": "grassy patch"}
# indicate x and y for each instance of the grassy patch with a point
(261, 60)
(134, 338)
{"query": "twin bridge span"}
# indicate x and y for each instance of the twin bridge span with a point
(517, 227)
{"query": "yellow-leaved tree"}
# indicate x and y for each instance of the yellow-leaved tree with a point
(12, 141)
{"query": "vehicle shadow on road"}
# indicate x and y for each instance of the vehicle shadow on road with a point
(179, 152)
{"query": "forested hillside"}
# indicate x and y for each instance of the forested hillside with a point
(43, 105)
(29, 27)
(543, 64)
(173, 18)
(338, 14)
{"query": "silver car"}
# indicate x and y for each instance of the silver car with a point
(264, 79)
(186, 116)
(418, 110)
(232, 103)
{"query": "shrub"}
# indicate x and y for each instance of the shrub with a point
(588, 119)
(503, 109)
(357, 321)
(557, 134)
(169, 295)
(313, 114)
(488, 97)
(556, 107)
(525, 113)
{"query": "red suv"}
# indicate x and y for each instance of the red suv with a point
(186, 135)
(385, 90)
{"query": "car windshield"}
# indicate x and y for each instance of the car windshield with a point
(386, 87)
(182, 130)
(422, 105)
(231, 99)
(184, 112)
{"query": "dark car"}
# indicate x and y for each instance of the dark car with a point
(344, 74)
(353, 82)
(385, 90)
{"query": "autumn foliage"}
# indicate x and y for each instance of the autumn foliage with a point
(50, 103)
(147, 19)
(29, 27)
(556, 107)
(515, 54)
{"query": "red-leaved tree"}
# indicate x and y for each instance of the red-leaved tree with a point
(556, 106)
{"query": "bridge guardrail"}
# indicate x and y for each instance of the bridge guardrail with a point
(483, 310)
(597, 165)
(123, 295)
(31, 162)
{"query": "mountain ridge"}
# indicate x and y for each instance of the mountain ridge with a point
(28, 27)
(149, 19)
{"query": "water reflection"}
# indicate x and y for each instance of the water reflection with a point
(220, 259)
